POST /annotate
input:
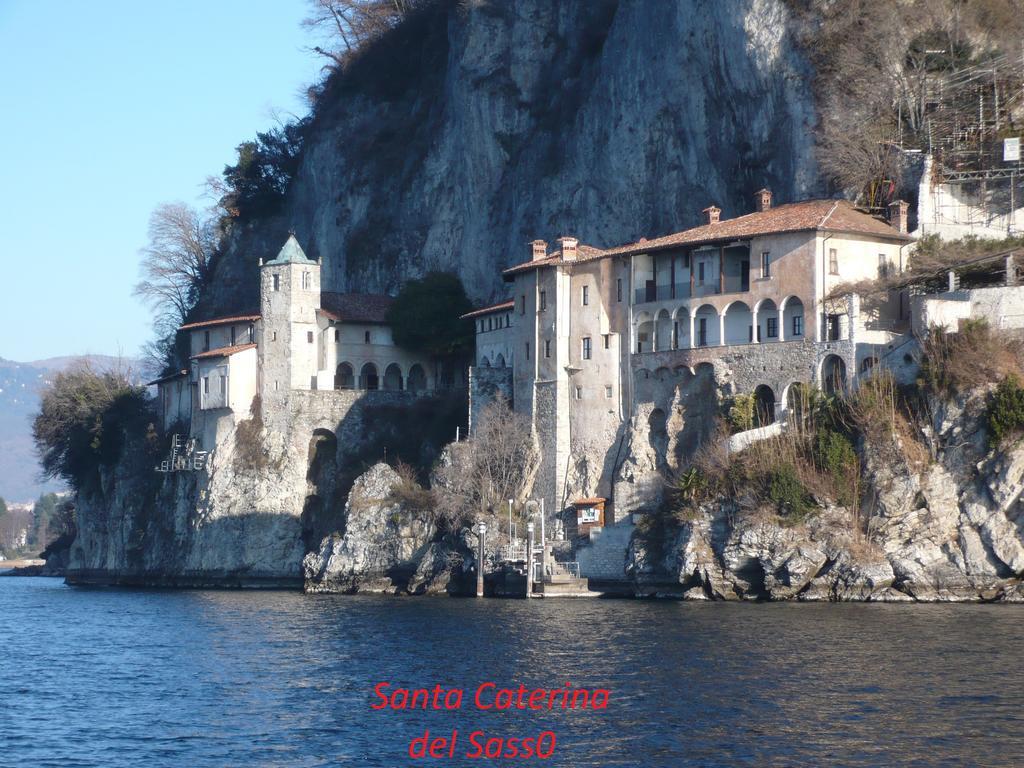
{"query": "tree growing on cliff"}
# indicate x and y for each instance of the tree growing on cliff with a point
(175, 266)
(346, 25)
(425, 316)
(84, 419)
(498, 462)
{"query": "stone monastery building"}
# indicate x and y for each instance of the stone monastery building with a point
(594, 340)
(301, 339)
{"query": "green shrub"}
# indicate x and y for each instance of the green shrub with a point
(741, 412)
(1006, 412)
(789, 495)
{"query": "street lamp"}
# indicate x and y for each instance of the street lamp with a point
(529, 559)
(481, 529)
(511, 532)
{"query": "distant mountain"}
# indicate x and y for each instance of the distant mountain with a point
(20, 388)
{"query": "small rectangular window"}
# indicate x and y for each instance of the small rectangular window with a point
(700, 273)
(527, 350)
(586, 348)
(586, 295)
(273, 335)
(798, 325)
(608, 392)
(275, 386)
(337, 334)
(309, 336)
(206, 341)
(766, 264)
(252, 333)
(522, 305)
(547, 348)
(772, 327)
(543, 300)
(277, 282)
(206, 385)
(833, 261)
(607, 340)
(618, 289)
(579, 393)
(366, 337)
(232, 335)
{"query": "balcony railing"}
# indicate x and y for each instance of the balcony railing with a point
(649, 294)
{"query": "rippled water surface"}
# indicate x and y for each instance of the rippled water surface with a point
(118, 677)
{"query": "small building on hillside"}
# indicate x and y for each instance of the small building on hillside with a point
(300, 338)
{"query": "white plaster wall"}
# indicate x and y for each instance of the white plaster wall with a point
(951, 212)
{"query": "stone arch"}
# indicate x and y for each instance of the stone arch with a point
(767, 321)
(644, 332)
(663, 330)
(706, 326)
(484, 362)
(792, 319)
(662, 374)
(368, 377)
(417, 378)
(681, 328)
(393, 378)
(868, 363)
(738, 323)
(499, 361)
(833, 375)
(657, 425)
(344, 376)
(799, 399)
(764, 406)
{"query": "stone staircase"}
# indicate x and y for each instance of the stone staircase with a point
(603, 558)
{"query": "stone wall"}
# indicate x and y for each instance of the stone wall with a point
(485, 384)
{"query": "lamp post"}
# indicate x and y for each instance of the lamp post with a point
(511, 532)
(481, 529)
(529, 559)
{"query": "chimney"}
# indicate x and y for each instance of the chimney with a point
(540, 249)
(898, 215)
(763, 200)
(712, 214)
(569, 248)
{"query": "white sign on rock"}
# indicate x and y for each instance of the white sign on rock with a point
(1011, 150)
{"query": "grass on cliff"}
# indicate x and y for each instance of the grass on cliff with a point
(813, 462)
(955, 363)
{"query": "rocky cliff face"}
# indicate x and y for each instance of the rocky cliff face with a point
(951, 530)
(386, 547)
(487, 124)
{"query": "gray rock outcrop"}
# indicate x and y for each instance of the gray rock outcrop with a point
(949, 529)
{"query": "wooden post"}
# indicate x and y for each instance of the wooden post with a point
(721, 269)
(480, 562)
(529, 559)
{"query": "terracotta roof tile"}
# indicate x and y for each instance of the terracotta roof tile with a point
(583, 253)
(355, 307)
(828, 215)
(220, 321)
(224, 351)
(502, 307)
(591, 500)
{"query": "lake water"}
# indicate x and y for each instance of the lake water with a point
(118, 677)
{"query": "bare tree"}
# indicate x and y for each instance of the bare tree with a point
(174, 267)
(497, 463)
(346, 25)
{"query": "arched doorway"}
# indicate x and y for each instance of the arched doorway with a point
(417, 378)
(368, 377)
(499, 361)
(767, 321)
(705, 326)
(484, 362)
(833, 375)
(344, 377)
(393, 378)
(738, 323)
(764, 406)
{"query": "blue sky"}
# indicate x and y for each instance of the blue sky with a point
(108, 109)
